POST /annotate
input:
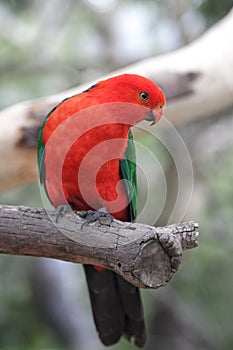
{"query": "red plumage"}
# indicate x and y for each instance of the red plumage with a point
(83, 141)
(104, 113)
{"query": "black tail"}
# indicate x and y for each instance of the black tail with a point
(116, 307)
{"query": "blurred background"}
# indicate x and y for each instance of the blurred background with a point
(49, 46)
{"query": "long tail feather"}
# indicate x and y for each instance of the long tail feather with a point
(116, 307)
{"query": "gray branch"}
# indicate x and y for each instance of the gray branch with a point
(145, 256)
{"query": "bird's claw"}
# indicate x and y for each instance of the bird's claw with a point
(94, 215)
(62, 210)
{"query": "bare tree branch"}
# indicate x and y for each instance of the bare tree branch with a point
(144, 255)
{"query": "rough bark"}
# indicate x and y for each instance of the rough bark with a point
(144, 255)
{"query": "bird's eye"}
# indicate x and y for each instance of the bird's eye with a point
(144, 96)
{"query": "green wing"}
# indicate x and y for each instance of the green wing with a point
(41, 146)
(128, 171)
(41, 150)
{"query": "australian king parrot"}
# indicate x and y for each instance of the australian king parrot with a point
(86, 159)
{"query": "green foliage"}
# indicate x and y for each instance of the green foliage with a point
(205, 278)
(214, 10)
(20, 325)
(17, 5)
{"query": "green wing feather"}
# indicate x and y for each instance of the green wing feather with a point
(41, 146)
(41, 150)
(128, 171)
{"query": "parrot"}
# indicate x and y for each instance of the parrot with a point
(86, 159)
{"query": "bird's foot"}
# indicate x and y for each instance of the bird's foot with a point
(62, 210)
(94, 215)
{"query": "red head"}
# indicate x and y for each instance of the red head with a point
(134, 88)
